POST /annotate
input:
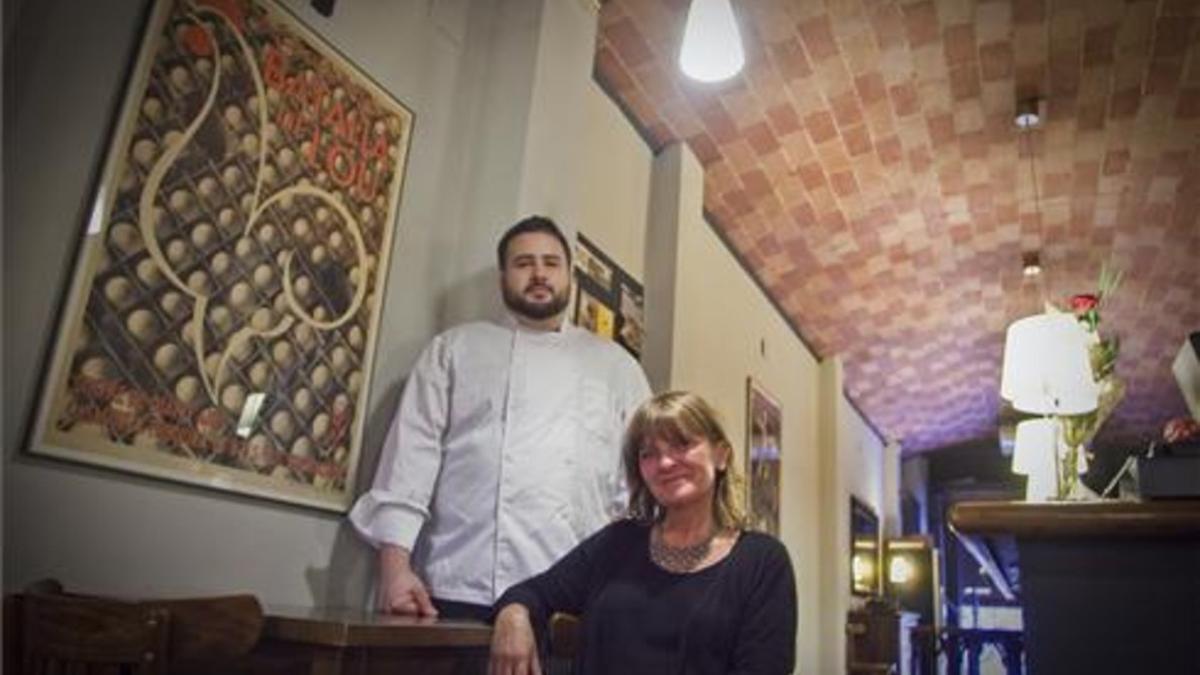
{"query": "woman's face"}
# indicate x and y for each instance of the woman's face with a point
(680, 473)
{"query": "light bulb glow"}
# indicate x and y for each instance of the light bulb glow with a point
(901, 570)
(712, 47)
(862, 568)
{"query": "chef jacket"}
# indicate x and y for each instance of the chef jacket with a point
(504, 454)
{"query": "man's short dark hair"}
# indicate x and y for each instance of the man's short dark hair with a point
(527, 225)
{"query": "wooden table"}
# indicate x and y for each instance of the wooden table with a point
(1106, 587)
(332, 641)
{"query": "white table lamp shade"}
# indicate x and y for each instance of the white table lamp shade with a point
(1046, 368)
(1034, 454)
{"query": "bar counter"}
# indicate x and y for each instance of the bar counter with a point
(1105, 587)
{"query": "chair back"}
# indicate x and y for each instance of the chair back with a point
(65, 633)
(61, 633)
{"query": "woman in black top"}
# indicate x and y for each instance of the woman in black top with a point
(677, 588)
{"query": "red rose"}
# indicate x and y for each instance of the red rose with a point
(1082, 304)
(1181, 429)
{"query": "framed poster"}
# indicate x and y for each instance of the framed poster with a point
(608, 301)
(223, 312)
(864, 548)
(763, 453)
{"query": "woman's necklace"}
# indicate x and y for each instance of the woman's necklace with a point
(678, 558)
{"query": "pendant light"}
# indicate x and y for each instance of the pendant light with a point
(712, 47)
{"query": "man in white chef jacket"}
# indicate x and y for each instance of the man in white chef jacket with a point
(505, 451)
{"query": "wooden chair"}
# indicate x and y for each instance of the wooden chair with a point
(57, 632)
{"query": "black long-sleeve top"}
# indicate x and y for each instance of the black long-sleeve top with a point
(735, 617)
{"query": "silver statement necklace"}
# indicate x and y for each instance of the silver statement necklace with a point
(678, 558)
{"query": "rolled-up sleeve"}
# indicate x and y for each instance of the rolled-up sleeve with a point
(397, 505)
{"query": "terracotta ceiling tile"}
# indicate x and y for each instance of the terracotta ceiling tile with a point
(993, 21)
(610, 71)
(941, 128)
(870, 88)
(628, 42)
(760, 138)
(857, 140)
(888, 25)
(783, 119)
(921, 23)
(657, 82)
(843, 183)
(846, 110)
(820, 127)
(738, 203)
(832, 75)
(1064, 76)
(1028, 11)
(1125, 103)
(996, 60)
(979, 198)
(860, 51)
(973, 145)
(964, 81)
(959, 43)
(1090, 117)
(812, 175)
(1172, 36)
(904, 98)
(817, 34)
(802, 214)
(919, 159)
(791, 60)
(1098, 43)
(718, 122)
(1030, 81)
(1163, 77)
(756, 183)
(1188, 104)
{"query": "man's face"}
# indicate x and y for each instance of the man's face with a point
(535, 281)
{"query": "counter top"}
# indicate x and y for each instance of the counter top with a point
(1169, 519)
(346, 627)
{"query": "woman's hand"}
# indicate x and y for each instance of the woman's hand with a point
(514, 648)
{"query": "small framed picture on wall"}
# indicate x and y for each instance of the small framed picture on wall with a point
(764, 422)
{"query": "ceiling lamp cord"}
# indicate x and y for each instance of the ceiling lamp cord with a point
(1027, 119)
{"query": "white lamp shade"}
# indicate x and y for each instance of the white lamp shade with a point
(1034, 454)
(1035, 440)
(712, 47)
(1046, 367)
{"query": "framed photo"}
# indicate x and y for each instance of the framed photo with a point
(223, 313)
(865, 545)
(764, 423)
(608, 301)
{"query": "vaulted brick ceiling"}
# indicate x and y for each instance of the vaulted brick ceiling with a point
(865, 167)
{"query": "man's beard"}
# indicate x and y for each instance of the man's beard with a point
(538, 311)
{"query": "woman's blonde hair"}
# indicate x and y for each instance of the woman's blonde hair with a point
(679, 417)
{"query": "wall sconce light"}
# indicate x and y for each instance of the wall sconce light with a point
(901, 570)
(712, 46)
(912, 579)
